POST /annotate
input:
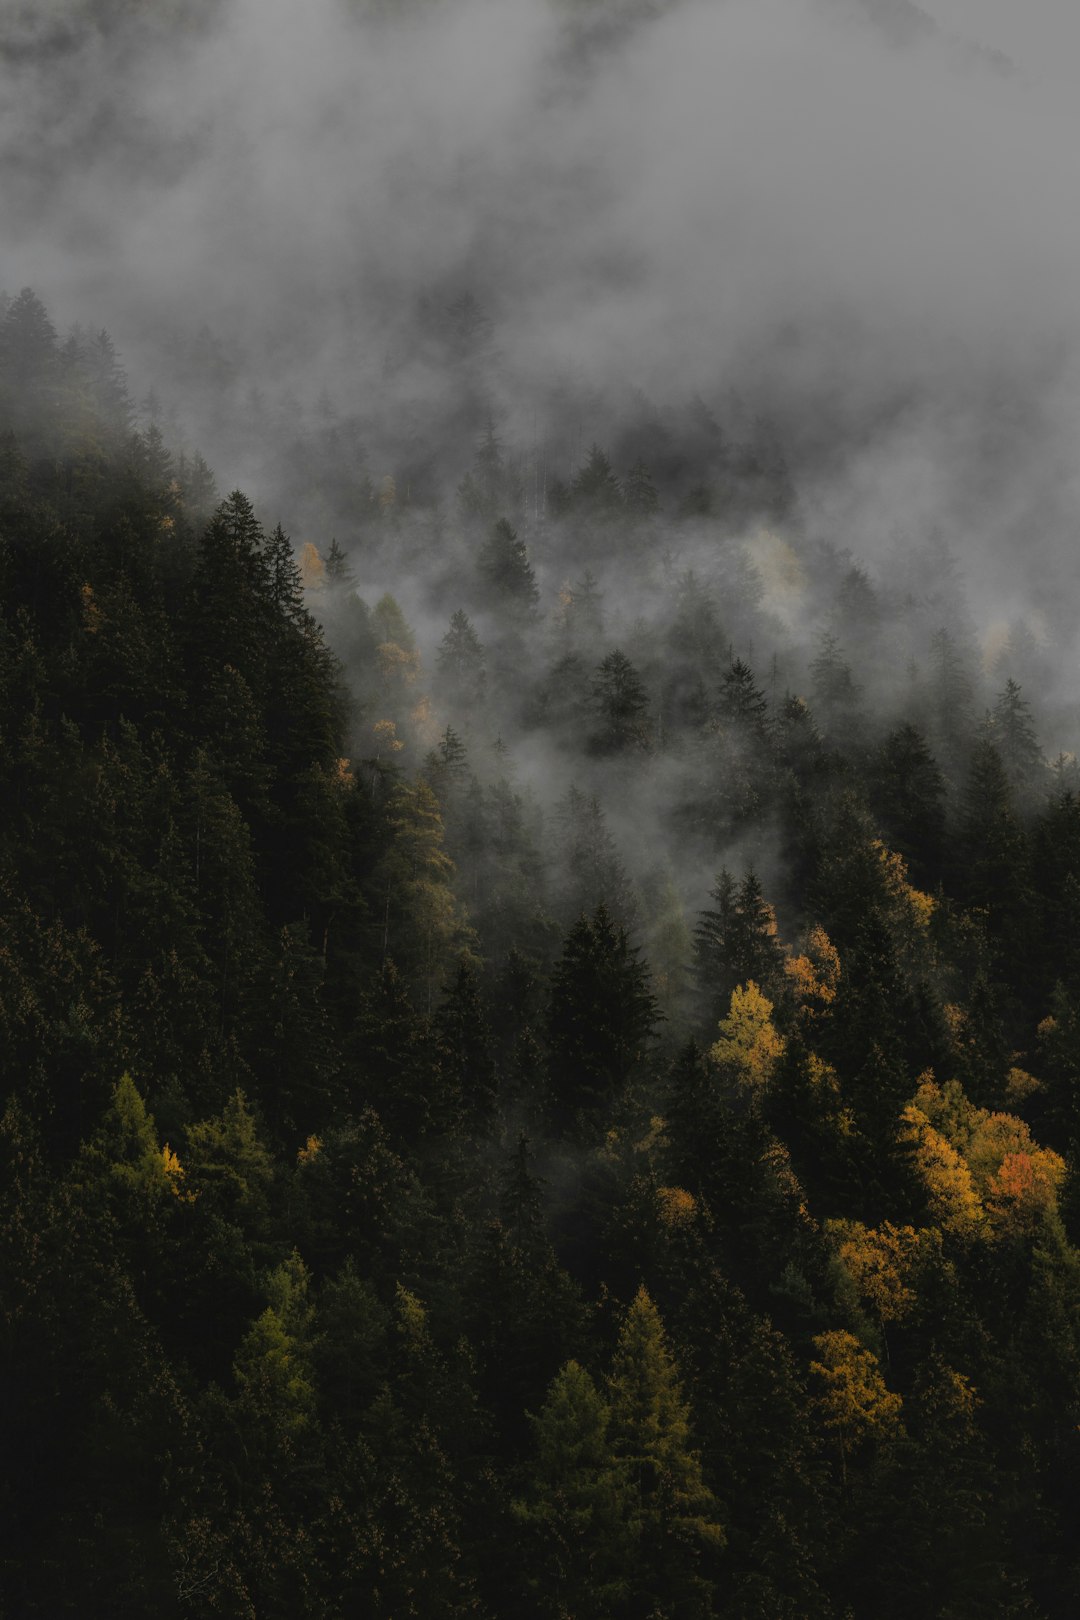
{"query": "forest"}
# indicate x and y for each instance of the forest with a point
(540, 837)
(568, 1110)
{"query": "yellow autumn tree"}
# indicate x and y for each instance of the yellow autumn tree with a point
(953, 1203)
(912, 909)
(312, 568)
(982, 1168)
(881, 1263)
(814, 974)
(851, 1399)
(748, 1044)
(386, 738)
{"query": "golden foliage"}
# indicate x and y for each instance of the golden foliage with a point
(880, 1262)
(397, 665)
(950, 1192)
(411, 1316)
(387, 493)
(749, 1045)
(977, 1164)
(1019, 1086)
(310, 1150)
(386, 737)
(312, 568)
(852, 1400)
(174, 1174)
(815, 975)
(914, 906)
(675, 1206)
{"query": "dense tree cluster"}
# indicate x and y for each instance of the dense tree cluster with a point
(420, 1200)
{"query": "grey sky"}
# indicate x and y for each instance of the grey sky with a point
(850, 215)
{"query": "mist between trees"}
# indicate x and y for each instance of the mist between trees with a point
(538, 959)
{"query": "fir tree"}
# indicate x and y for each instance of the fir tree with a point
(602, 1015)
(621, 704)
(506, 572)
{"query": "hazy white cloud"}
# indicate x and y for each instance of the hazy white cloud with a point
(826, 203)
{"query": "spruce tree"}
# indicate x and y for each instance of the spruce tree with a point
(602, 1015)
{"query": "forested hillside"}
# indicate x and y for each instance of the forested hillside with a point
(570, 1109)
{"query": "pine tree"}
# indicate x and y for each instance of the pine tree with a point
(339, 573)
(583, 616)
(621, 703)
(836, 694)
(461, 662)
(908, 798)
(742, 707)
(595, 488)
(681, 1532)
(639, 491)
(505, 570)
(591, 872)
(464, 1044)
(993, 855)
(273, 1364)
(736, 941)
(1014, 737)
(29, 370)
(602, 1015)
(581, 1507)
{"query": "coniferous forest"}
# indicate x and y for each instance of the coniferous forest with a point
(539, 1008)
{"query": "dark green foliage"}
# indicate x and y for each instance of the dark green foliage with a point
(736, 941)
(595, 489)
(741, 706)
(590, 871)
(461, 662)
(601, 1017)
(506, 572)
(639, 491)
(620, 703)
(369, 1245)
(908, 798)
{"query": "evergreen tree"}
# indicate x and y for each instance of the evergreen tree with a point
(465, 1045)
(591, 872)
(507, 574)
(461, 662)
(582, 1510)
(639, 491)
(681, 1532)
(1016, 742)
(621, 703)
(742, 707)
(595, 489)
(908, 797)
(736, 941)
(602, 1015)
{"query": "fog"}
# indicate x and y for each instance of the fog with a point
(837, 208)
(850, 219)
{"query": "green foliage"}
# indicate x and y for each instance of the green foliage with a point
(506, 572)
(601, 1017)
(333, 1120)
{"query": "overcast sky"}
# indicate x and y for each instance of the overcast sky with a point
(1041, 36)
(817, 200)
